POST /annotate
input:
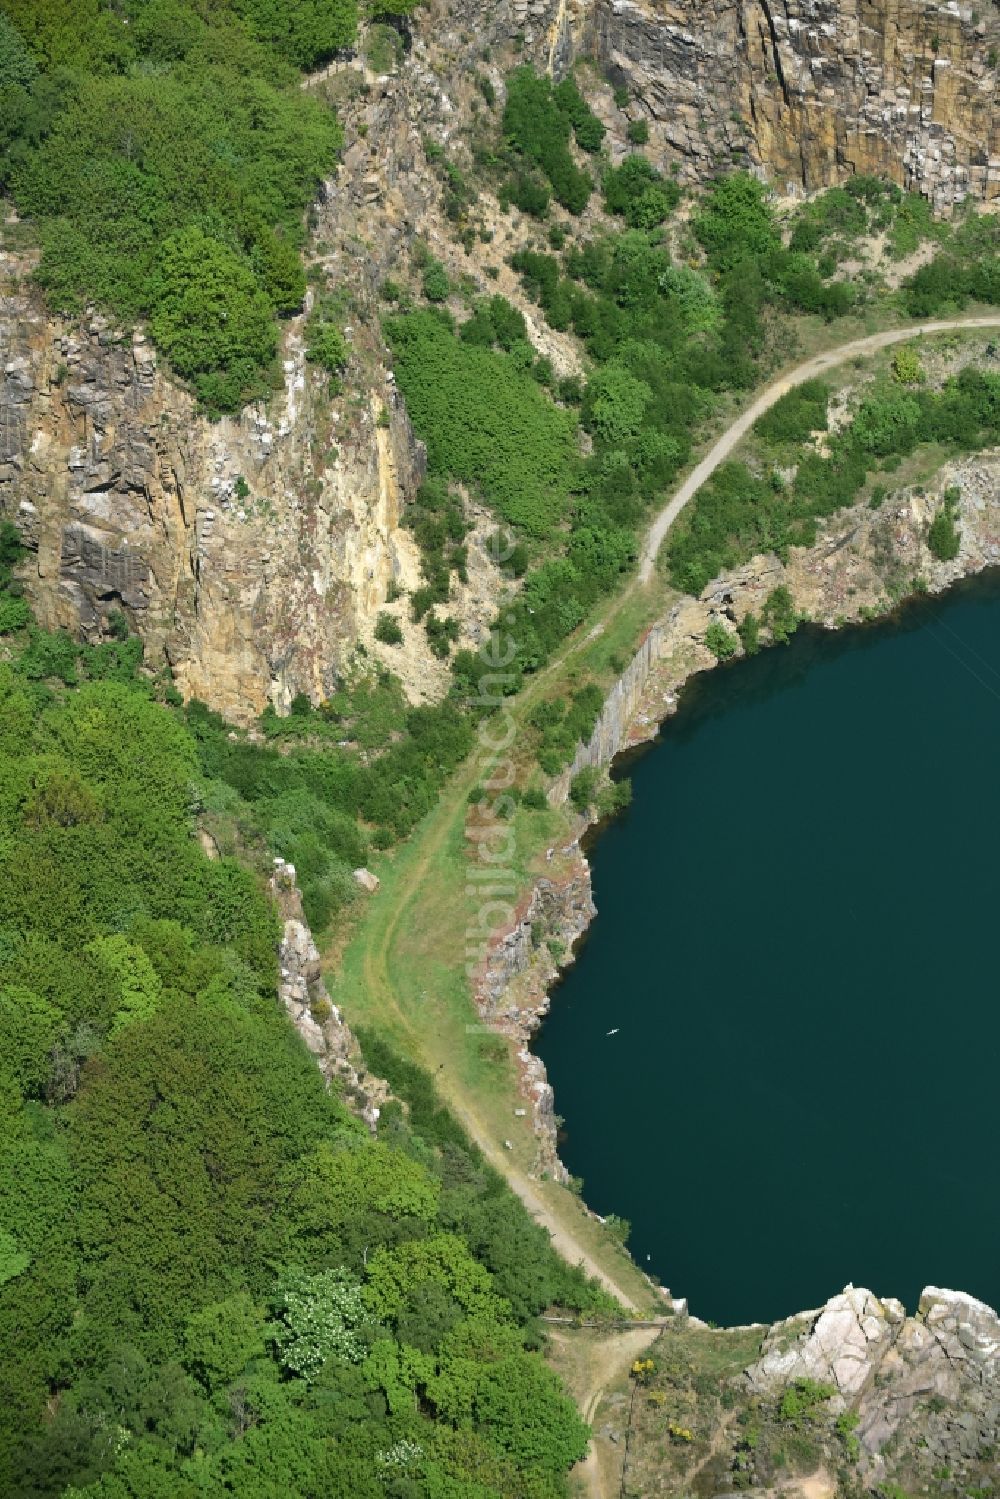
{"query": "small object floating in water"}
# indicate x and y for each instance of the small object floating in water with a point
(614, 1032)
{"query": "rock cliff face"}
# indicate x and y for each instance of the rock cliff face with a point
(304, 994)
(925, 1388)
(249, 554)
(807, 91)
(519, 968)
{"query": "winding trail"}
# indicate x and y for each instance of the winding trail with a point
(735, 433)
(395, 910)
(442, 823)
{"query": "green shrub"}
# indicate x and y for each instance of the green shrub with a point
(562, 727)
(387, 630)
(749, 633)
(434, 281)
(17, 66)
(437, 519)
(906, 366)
(14, 614)
(733, 516)
(529, 193)
(886, 422)
(802, 1399)
(210, 318)
(615, 403)
(587, 128)
(944, 538)
(845, 1426)
(736, 222)
(485, 421)
(325, 341)
(536, 122)
(966, 268)
(799, 412)
(308, 33)
(441, 634)
(383, 48)
(583, 788)
(637, 192)
(614, 797)
(638, 132)
(720, 641)
(779, 615)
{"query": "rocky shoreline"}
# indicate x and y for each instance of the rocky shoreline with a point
(865, 563)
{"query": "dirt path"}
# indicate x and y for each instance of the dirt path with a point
(562, 1239)
(444, 821)
(734, 434)
(588, 1379)
(378, 979)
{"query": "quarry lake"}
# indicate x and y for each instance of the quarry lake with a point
(797, 945)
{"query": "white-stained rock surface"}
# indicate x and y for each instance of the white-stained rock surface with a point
(930, 1382)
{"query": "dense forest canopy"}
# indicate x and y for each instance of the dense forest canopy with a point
(167, 157)
(213, 1280)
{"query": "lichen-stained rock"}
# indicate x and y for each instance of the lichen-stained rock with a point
(806, 91)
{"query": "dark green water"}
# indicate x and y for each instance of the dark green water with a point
(797, 939)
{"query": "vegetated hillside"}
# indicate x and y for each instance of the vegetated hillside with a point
(166, 155)
(213, 1281)
(674, 316)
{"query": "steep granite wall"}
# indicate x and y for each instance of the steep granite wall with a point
(252, 554)
(248, 553)
(808, 91)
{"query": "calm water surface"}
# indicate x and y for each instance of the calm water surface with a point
(798, 940)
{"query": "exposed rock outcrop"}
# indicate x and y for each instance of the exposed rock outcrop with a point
(806, 91)
(250, 554)
(520, 965)
(933, 1377)
(855, 1399)
(304, 994)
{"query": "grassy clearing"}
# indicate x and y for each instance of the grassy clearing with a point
(404, 969)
